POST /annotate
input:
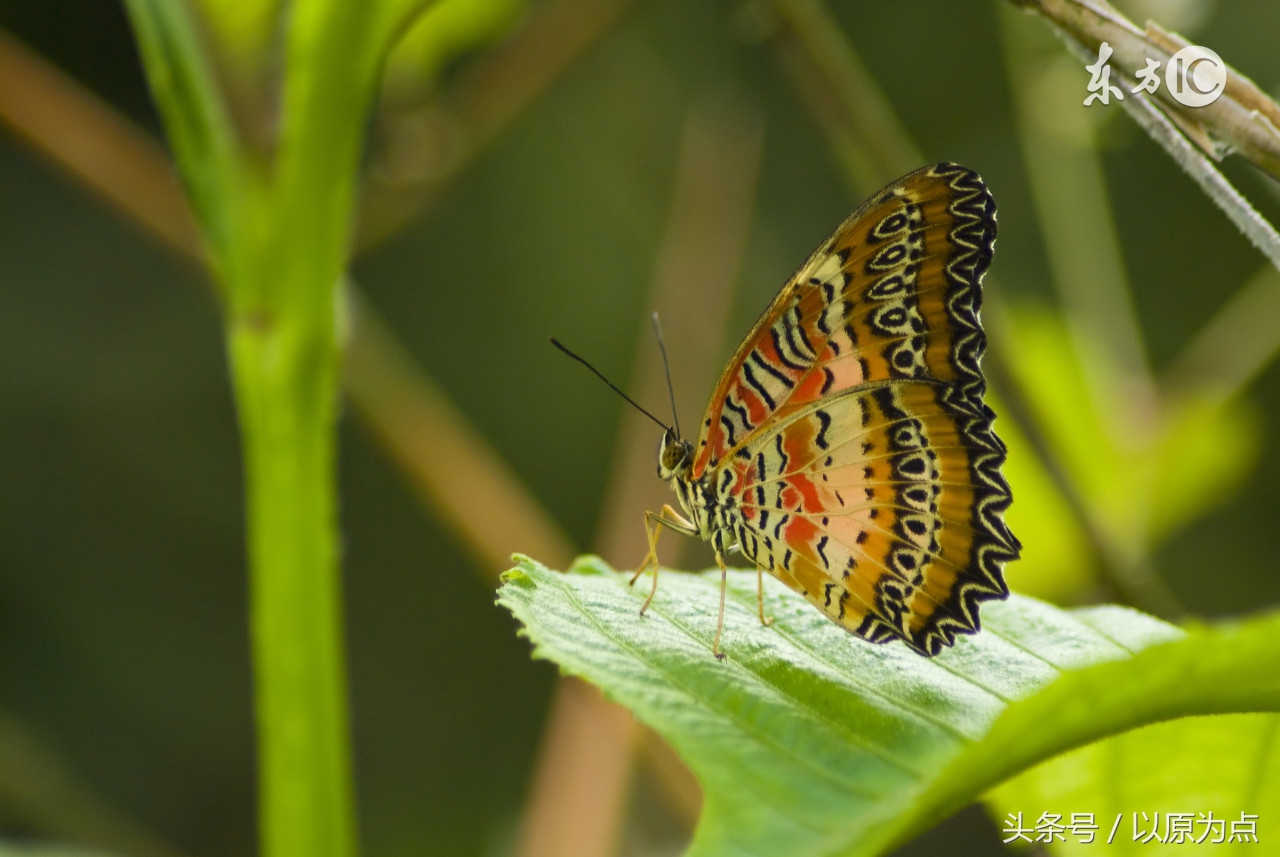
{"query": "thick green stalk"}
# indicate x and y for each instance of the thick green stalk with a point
(276, 233)
(286, 387)
(285, 354)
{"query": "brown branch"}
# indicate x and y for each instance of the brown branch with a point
(1186, 138)
(462, 479)
(580, 782)
(1244, 119)
(692, 288)
(75, 129)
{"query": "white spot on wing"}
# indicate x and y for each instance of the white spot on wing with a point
(828, 269)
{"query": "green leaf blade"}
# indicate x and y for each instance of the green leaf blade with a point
(197, 126)
(809, 741)
(1235, 757)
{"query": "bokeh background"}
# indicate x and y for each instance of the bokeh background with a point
(676, 157)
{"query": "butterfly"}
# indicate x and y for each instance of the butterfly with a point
(847, 449)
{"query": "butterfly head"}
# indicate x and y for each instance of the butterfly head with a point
(675, 457)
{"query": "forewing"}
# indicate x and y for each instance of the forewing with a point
(892, 294)
(882, 506)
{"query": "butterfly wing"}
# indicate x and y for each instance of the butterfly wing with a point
(882, 506)
(893, 293)
(851, 425)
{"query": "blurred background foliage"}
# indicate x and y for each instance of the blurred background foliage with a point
(532, 172)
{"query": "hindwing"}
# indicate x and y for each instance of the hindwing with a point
(882, 506)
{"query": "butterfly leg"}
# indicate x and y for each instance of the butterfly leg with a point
(724, 584)
(764, 620)
(653, 524)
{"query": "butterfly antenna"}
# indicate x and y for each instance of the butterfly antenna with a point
(612, 386)
(666, 367)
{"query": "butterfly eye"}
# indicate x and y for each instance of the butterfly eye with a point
(670, 453)
(674, 455)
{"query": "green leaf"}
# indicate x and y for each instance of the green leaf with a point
(197, 126)
(808, 741)
(1236, 759)
(442, 33)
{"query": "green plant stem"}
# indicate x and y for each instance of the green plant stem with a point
(285, 357)
(286, 388)
(277, 231)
